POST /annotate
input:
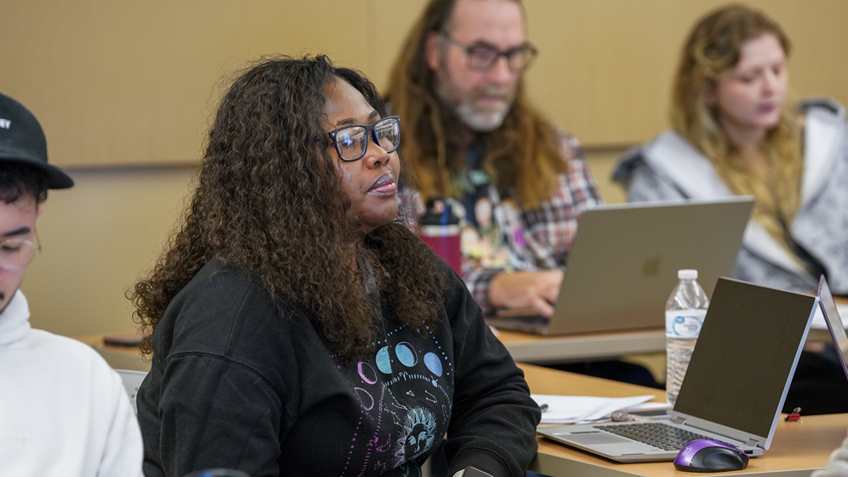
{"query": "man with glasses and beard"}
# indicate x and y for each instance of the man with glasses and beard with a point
(471, 136)
(63, 410)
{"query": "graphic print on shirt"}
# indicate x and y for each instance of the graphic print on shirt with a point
(492, 229)
(405, 391)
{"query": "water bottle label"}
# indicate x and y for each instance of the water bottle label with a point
(684, 323)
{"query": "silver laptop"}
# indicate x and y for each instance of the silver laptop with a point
(735, 385)
(624, 262)
(834, 322)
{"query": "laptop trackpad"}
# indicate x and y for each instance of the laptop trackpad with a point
(595, 438)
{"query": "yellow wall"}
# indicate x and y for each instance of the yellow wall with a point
(97, 238)
(124, 91)
(606, 66)
(119, 82)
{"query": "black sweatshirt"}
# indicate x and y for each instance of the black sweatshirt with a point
(235, 385)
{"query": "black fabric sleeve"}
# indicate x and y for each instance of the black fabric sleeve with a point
(493, 423)
(212, 398)
(216, 413)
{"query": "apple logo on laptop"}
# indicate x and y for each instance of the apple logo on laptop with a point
(651, 267)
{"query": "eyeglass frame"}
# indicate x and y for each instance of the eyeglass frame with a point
(373, 136)
(36, 249)
(526, 46)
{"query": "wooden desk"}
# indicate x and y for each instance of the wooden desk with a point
(529, 348)
(118, 357)
(523, 347)
(797, 448)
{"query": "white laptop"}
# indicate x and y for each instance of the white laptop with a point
(735, 385)
(624, 262)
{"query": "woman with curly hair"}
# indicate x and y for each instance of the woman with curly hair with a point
(298, 328)
(734, 133)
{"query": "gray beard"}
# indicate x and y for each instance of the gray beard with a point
(465, 111)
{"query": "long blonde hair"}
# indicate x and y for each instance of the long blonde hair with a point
(712, 50)
(522, 156)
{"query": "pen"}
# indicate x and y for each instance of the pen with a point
(543, 407)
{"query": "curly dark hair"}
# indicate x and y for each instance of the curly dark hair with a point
(270, 203)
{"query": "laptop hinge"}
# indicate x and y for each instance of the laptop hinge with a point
(679, 420)
(753, 442)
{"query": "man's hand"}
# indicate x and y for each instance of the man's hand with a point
(536, 290)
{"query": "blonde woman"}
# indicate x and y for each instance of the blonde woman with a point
(734, 134)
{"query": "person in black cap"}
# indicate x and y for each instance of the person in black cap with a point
(63, 410)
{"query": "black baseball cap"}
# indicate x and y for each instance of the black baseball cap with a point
(22, 140)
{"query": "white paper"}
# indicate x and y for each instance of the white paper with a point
(575, 409)
(604, 413)
(649, 406)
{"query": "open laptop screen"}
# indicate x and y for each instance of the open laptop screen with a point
(745, 356)
(834, 322)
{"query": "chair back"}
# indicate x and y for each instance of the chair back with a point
(132, 380)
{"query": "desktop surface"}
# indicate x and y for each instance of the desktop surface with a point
(797, 448)
(532, 348)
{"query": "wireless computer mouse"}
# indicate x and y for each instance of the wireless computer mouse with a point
(707, 455)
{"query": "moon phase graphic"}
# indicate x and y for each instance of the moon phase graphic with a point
(366, 372)
(433, 363)
(365, 398)
(406, 354)
(384, 361)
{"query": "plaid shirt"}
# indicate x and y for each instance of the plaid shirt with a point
(548, 230)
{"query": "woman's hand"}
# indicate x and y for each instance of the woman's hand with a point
(537, 290)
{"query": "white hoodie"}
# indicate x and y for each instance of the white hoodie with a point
(63, 410)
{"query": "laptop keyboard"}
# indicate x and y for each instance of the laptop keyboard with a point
(665, 437)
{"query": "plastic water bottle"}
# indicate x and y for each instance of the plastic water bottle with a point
(684, 315)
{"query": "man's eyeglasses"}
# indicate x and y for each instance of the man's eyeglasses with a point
(352, 141)
(16, 253)
(483, 58)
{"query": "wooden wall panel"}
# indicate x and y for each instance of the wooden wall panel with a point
(98, 239)
(119, 82)
(606, 66)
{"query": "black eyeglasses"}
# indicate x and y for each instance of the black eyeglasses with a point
(352, 141)
(483, 58)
